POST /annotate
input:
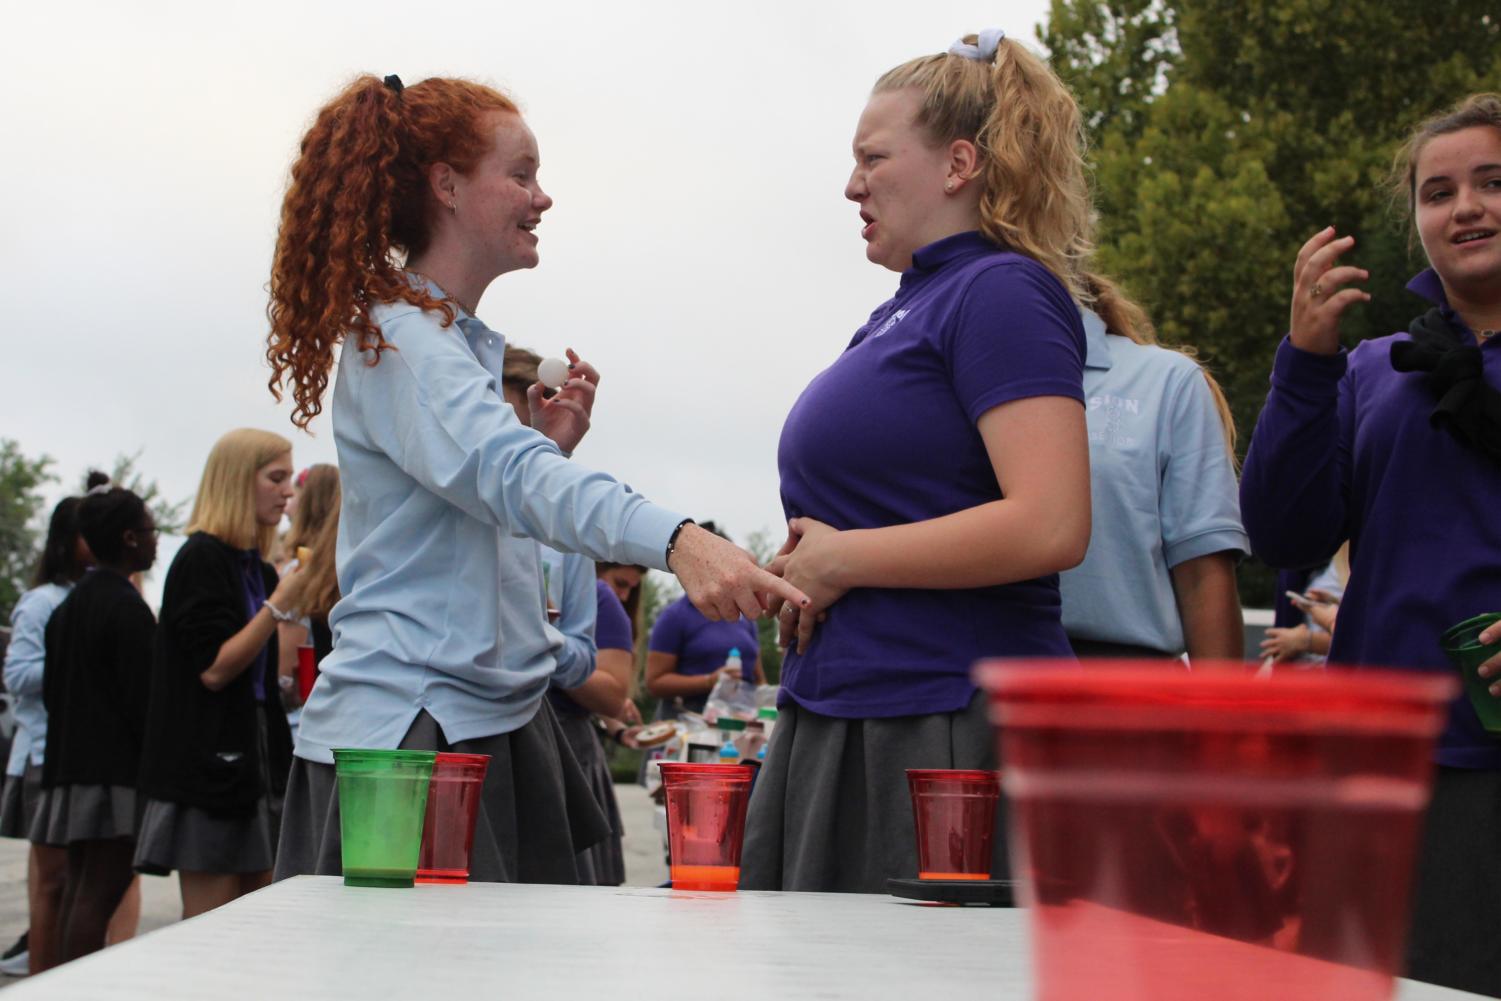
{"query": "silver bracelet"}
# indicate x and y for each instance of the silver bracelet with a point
(277, 613)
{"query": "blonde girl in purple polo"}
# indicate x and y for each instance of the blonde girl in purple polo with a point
(936, 474)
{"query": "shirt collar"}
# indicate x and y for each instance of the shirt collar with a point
(935, 255)
(471, 326)
(1096, 341)
(432, 288)
(1426, 284)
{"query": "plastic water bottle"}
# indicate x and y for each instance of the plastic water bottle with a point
(733, 660)
(728, 753)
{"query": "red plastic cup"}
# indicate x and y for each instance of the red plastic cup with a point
(705, 823)
(307, 670)
(954, 811)
(1185, 835)
(453, 798)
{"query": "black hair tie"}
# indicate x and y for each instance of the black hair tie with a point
(394, 82)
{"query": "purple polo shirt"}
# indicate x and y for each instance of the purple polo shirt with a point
(612, 626)
(887, 435)
(1344, 448)
(701, 646)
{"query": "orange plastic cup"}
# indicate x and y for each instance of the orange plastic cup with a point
(1209, 833)
(453, 798)
(953, 810)
(705, 823)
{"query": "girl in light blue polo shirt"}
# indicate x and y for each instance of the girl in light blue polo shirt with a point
(1159, 577)
(404, 204)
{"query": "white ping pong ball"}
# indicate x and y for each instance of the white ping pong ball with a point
(552, 372)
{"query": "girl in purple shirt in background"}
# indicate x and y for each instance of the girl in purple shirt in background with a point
(687, 655)
(1396, 447)
(936, 474)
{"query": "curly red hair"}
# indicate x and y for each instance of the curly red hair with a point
(358, 196)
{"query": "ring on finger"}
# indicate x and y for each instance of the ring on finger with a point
(1317, 290)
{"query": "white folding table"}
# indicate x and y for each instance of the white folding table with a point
(314, 939)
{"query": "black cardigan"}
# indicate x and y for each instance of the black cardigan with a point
(95, 683)
(203, 748)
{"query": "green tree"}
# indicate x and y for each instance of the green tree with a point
(1226, 132)
(763, 545)
(1115, 57)
(21, 480)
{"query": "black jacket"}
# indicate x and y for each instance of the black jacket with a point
(203, 748)
(95, 683)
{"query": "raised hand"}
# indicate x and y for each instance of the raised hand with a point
(1319, 295)
(565, 417)
(287, 595)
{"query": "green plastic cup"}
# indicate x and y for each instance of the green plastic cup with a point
(382, 801)
(1464, 648)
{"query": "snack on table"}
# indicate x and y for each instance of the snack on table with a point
(656, 733)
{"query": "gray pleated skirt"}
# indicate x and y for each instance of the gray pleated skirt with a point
(604, 863)
(831, 811)
(186, 838)
(176, 836)
(18, 802)
(69, 813)
(536, 813)
(1457, 894)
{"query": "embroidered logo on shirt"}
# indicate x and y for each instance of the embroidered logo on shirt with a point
(891, 321)
(1116, 409)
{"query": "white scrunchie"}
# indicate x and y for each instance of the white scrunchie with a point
(984, 51)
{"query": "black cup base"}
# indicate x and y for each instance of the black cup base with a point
(974, 892)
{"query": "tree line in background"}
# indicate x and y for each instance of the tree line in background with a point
(1225, 133)
(23, 515)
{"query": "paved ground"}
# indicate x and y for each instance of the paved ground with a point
(160, 904)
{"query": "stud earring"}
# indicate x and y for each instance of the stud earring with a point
(948, 186)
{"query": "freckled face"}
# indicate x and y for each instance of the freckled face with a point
(499, 204)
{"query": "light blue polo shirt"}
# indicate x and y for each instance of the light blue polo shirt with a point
(1162, 486)
(442, 606)
(569, 580)
(24, 660)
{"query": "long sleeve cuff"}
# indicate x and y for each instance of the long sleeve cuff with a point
(647, 533)
(1304, 373)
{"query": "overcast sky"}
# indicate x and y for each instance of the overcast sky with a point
(700, 252)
